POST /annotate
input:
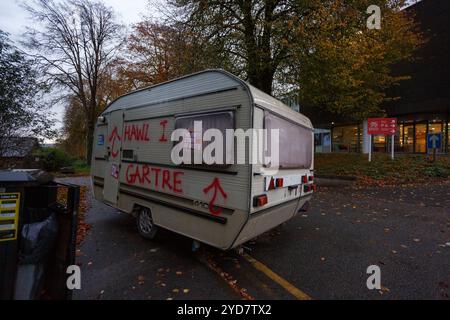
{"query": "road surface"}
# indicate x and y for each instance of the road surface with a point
(322, 254)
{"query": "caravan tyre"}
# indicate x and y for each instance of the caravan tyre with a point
(145, 225)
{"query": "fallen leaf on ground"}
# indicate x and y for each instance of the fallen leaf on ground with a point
(384, 290)
(82, 227)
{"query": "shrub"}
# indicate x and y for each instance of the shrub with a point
(53, 159)
(406, 168)
(81, 166)
(437, 171)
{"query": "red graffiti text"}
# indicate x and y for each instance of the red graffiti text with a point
(163, 124)
(134, 132)
(156, 178)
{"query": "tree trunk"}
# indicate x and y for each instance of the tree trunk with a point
(260, 69)
(266, 81)
(89, 141)
(91, 122)
(263, 79)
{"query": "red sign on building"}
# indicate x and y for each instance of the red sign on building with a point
(385, 126)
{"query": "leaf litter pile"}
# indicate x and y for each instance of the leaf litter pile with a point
(83, 227)
(209, 261)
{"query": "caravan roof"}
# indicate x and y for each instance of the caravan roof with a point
(201, 83)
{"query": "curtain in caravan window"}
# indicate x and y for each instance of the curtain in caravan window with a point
(215, 120)
(295, 145)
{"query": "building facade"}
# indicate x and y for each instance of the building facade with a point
(18, 153)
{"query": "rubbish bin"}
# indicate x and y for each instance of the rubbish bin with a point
(38, 221)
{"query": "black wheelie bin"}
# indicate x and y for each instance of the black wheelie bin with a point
(38, 222)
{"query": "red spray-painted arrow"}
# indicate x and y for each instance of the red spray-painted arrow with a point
(217, 187)
(114, 135)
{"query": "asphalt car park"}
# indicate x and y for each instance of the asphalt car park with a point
(320, 254)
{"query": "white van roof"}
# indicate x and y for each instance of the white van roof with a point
(201, 83)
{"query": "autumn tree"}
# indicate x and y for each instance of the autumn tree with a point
(22, 111)
(159, 51)
(321, 49)
(345, 68)
(256, 34)
(73, 132)
(74, 43)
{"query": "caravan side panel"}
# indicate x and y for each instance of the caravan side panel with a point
(204, 203)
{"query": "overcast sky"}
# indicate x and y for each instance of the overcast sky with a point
(13, 17)
(13, 20)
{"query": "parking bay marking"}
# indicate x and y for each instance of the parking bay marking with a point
(300, 295)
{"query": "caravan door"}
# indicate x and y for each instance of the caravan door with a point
(114, 148)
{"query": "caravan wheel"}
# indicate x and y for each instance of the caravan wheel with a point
(145, 224)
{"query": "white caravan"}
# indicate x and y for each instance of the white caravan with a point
(223, 205)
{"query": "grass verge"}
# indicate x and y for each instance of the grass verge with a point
(405, 169)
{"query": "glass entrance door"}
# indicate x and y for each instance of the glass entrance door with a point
(408, 142)
(421, 138)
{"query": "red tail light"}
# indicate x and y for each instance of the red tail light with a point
(311, 178)
(304, 179)
(309, 188)
(280, 183)
(272, 184)
(260, 201)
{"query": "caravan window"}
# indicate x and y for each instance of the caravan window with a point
(221, 120)
(295, 146)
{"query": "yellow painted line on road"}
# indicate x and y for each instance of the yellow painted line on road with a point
(300, 295)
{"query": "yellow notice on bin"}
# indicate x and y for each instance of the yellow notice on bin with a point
(9, 216)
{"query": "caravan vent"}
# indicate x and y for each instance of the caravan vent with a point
(128, 154)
